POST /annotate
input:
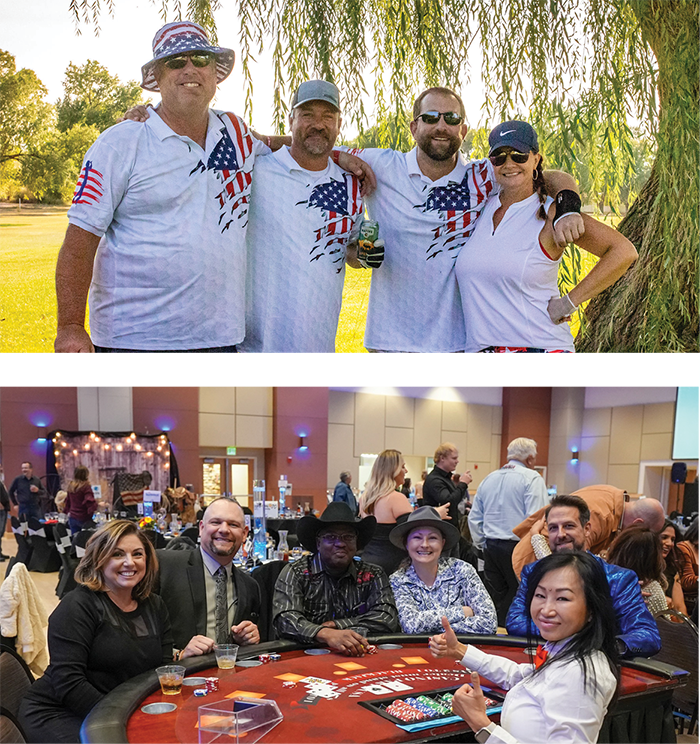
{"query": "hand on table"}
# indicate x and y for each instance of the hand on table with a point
(346, 642)
(197, 646)
(245, 633)
(469, 703)
(446, 644)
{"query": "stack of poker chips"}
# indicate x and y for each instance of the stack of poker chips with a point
(424, 707)
(405, 712)
(441, 708)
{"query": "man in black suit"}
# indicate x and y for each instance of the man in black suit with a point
(205, 605)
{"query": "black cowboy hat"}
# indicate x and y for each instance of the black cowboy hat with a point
(424, 516)
(336, 512)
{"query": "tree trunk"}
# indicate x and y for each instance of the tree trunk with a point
(654, 307)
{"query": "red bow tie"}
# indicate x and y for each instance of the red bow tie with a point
(540, 656)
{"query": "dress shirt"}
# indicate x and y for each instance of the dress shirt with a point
(20, 493)
(457, 584)
(636, 627)
(211, 566)
(504, 498)
(307, 596)
(552, 705)
(343, 492)
(439, 489)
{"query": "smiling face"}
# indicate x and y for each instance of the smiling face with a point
(516, 176)
(336, 546)
(565, 530)
(223, 530)
(558, 606)
(668, 540)
(187, 90)
(438, 141)
(27, 470)
(315, 128)
(126, 566)
(424, 546)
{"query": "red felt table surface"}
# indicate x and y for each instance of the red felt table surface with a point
(341, 719)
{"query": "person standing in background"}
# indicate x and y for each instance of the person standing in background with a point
(4, 509)
(26, 491)
(343, 491)
(80, 501)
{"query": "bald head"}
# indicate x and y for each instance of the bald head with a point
(647, 512)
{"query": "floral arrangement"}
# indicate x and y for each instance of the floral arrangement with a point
(147, 523)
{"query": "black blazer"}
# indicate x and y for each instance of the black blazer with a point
(181, 585)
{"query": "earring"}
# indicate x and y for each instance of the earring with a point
(534, 175)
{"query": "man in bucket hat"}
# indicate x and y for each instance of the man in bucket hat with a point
(330, 597)
(158, 220)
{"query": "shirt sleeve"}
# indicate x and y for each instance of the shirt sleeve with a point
(475, 596)
(72, 629)
(637, 628)
(166, 632)
(415, 620)
(288, 609)
(104, 178)
(517, 618)
(497, 669)
(536, 496)
(476, 521)
(381, 615)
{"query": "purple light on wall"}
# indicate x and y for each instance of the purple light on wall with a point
(41, 418)
(164, 423)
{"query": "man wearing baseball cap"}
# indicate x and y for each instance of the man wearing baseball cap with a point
(157, 224)
(305, 215)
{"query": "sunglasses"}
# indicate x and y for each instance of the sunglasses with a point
(433, 117)
(198, 60)
(516, 157)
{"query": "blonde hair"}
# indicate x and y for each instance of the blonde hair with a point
(445, 449)
(382, 479)
(102, 546)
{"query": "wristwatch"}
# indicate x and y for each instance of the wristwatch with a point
(482, 735)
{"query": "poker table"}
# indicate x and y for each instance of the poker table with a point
(334, 698)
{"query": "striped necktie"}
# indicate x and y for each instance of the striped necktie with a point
(221, 610)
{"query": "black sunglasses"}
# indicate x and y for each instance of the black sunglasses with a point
(433, 117)
(516, 157)
(198, 60)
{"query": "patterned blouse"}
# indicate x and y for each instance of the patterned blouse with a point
(457, 585)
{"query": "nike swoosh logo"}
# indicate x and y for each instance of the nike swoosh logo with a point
(510, 131)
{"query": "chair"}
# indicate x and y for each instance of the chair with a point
(192, 533)
(679, 646)
(266, 576)
(15, 680)
(10, 730)
(45, 557)
(66, 578)
(24, 547)
(157, 539)
(80, 541)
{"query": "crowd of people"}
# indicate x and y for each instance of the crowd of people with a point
(192, 232)
(390, 568)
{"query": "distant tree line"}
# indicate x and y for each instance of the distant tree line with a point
(42, 144)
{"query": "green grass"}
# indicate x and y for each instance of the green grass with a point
(29, 242)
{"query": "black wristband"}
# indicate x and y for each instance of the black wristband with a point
(567, 202)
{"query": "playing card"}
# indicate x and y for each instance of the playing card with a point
(397, 686)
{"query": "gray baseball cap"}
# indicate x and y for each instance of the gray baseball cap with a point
(316, 90)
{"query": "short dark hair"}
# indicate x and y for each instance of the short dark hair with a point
(442, 91)
(26, 462)
(639, 549)
(596, 634)
(691, 534)
(571, 501)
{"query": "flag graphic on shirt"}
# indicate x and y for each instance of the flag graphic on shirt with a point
(459, 205)
(228, 163)
(88, 190)
(340, 203)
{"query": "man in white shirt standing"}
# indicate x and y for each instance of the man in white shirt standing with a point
(304, 213)
(504, 498)
(157, 224)
(426, 203)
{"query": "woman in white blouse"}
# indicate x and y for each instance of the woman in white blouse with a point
(563, 696)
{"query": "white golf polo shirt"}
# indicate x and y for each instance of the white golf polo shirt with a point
(414, 302)
(300, 224)
(169, 272)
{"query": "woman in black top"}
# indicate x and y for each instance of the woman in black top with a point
(107, 630)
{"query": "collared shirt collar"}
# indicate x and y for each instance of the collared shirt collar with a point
(455, 175)
(213, 565)
(284, 157)
(163, 131)
(316, 566)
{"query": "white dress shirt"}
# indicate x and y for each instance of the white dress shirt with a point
(552, 705)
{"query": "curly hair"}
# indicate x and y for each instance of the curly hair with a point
(102, 546)
(382, 479)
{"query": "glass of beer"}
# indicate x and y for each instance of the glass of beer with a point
(170, 678)
(226, 654)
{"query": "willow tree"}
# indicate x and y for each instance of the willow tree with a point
(573, 65)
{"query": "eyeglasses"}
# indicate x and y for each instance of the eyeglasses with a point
(331, 538)
(198, 60)
(433, 117)
(516, 157)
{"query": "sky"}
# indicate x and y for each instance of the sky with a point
(41, 34)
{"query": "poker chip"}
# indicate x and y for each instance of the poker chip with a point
(275, 657)
(201, 692)
(264, 658)
(289, 685)
(212, 684)
(371, 649)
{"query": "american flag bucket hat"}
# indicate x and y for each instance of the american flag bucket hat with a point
(181, 37)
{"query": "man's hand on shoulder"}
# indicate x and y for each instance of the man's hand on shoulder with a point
(137, 113)
(73, 339)
(346, 642)
(568, 229)
(245, 633)
(358, 167)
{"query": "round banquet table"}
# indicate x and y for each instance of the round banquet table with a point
(642, 712)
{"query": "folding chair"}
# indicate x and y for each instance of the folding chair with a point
(66, 578)
(45, 557)
(24, 547)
